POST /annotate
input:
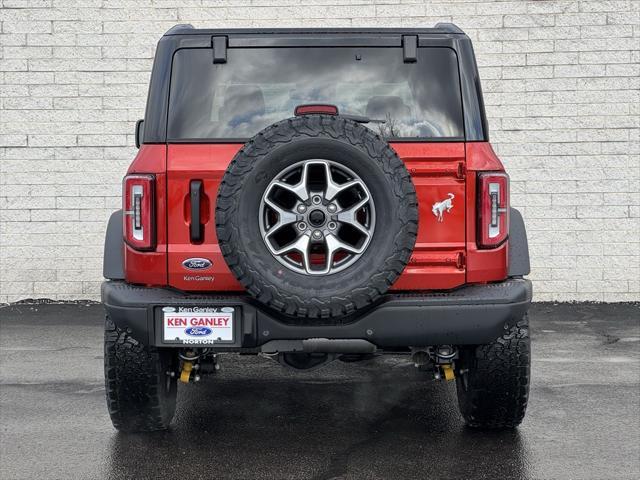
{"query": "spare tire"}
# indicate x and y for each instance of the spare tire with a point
(316, 216)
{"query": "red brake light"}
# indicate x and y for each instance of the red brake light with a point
(493, 209)
(138, 201)
(315, 109)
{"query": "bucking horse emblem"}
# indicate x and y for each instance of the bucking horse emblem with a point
(446, 205)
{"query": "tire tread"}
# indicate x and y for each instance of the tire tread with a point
(498, 381)
(134, 383)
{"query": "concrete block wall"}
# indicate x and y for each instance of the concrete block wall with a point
(561, 81)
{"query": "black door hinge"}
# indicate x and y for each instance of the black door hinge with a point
(410, 48)
(219, 45)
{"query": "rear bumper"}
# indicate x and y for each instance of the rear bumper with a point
(470, 315)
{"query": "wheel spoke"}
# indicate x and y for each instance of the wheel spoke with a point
(300, 245)
(334, 244)
(285, 217)
(333, 188)
(300, 189)
(349, 216)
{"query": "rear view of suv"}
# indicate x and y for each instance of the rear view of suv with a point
(315, 195)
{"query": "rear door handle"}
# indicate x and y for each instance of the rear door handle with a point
(195, 228)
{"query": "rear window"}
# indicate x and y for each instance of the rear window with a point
(260, 86)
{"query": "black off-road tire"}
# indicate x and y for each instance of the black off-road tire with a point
(493, 380)
(140, 396)
(254, 167)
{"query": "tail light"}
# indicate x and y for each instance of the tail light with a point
(493, 209)
(139, 216)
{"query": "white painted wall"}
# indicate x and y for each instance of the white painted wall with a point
(561, 82)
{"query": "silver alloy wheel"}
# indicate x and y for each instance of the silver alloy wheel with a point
(317, 217)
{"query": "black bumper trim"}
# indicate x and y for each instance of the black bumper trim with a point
(469, 315)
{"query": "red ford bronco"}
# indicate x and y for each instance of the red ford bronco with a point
(315, 194)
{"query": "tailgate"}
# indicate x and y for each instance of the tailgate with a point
(437, 170)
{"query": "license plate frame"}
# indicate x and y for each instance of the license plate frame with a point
(198, 325)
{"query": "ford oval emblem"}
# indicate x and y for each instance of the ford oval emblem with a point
(196, 263)
(198, 331)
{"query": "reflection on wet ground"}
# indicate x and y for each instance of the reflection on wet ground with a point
(375, 419)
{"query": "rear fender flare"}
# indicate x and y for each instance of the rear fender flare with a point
(113, 260)
(519, 264)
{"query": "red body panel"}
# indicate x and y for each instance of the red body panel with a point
(445, 255)
(436, 169)
(196, 162)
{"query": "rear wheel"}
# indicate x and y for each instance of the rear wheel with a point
(493, 380)
(141, 397)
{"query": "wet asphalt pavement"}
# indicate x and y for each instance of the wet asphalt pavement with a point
(375, 419)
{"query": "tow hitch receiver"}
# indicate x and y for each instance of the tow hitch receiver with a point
(194, 364)
(445, 355)
(441, 358)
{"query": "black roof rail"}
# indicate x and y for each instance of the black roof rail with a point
(449, 27)
(178, 29)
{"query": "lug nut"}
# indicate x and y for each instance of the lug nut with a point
(317, 234)
(332, 208)
(302, 226)
(302, 208)
(317, 200)
(332, 225)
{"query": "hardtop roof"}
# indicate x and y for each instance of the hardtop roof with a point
(442, 35)
(438, 29)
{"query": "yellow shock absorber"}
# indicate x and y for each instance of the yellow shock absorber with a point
(449, 374)
(186, 371)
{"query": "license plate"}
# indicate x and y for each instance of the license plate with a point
(197, 325)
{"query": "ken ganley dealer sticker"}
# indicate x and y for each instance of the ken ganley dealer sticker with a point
(198, 324)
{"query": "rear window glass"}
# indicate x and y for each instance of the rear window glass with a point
(260, 86)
